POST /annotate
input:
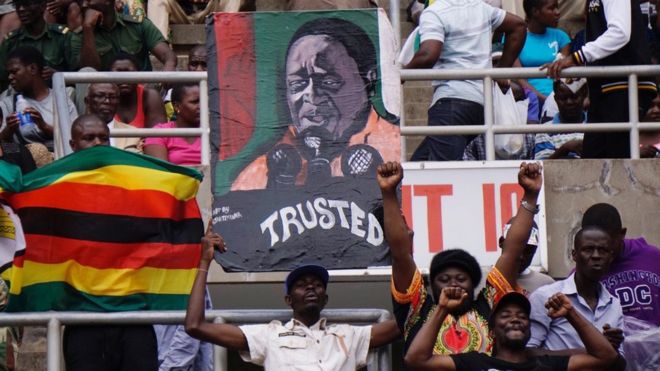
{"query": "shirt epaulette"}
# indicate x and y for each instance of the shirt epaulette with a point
(61, 29)
(11, 34)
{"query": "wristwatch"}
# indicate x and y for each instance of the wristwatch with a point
(534, 209)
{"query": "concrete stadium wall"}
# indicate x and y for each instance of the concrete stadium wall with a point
(632, 186)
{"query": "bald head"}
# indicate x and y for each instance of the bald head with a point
(197, 58)
(89, 130)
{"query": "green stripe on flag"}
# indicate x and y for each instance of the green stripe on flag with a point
(94, 158)
(61, 296)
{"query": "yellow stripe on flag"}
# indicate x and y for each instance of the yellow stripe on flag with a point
(105, 282)
(181, 187)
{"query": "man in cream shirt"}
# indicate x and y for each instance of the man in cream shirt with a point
(102, 100)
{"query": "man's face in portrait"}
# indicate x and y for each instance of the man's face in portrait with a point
(324, 86)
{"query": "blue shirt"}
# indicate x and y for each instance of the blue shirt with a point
(540, 49)
(558, 334)
(177, 351)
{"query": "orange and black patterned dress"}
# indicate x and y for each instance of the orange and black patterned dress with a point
(467, 333)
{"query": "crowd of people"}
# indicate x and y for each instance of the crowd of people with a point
(520, 320)
(534, 33)
(516, 322)
(546, 34)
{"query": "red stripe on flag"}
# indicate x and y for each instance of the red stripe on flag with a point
(18, 261)
(108, 200)
(236, 68)
(103, 255)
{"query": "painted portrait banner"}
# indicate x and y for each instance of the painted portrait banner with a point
(304, 107)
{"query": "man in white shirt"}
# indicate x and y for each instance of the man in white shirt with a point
(25, 65)
(456, 34)
(306, 342)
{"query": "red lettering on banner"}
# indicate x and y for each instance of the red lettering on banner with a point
(490, 226)
(434, 195)
(506, 204)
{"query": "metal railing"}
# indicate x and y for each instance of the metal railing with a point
(63, 124)
(489, 129)
(55, 321)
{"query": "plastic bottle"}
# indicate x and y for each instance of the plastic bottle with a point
(23, 117)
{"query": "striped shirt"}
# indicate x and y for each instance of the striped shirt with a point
(545, 144)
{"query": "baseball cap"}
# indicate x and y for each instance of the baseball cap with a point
(512, 297)
(533, 235)
(316, 270)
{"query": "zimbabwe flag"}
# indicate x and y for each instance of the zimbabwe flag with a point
(105, 230)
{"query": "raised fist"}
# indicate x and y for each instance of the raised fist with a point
(389, 176)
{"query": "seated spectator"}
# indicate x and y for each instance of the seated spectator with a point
(305, 342)
(649, 141)
(543, 43)
(634, 262)
(64, 12)
(615, 36)
(106, 33)
(25, 66)
(570, 102)
(164, 12)
(444, 45)
(139, 106)
(50, 39)
(196, 62)
(102, 100)
(528, 279)
(466, 329)
(593, 254)
(178, 150)
(509, 324)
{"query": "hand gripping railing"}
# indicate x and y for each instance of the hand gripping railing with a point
(55, 321)
(63, 132)
(633, 126)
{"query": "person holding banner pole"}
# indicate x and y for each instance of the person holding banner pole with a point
(466, 329)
